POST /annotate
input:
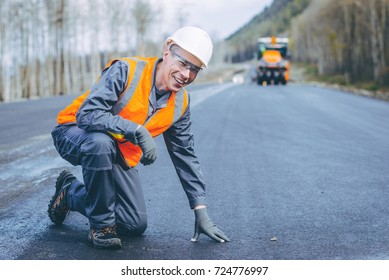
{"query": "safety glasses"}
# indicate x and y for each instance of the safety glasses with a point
(185, 64)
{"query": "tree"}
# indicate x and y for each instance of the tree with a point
(143, 15)
(345, 38)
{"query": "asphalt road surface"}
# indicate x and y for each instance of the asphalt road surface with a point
(294, 172)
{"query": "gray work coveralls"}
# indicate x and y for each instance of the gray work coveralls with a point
(111, 193)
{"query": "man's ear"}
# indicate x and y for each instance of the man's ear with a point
(165, 54)
(165, 50)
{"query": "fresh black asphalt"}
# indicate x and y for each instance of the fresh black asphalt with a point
(294, 172)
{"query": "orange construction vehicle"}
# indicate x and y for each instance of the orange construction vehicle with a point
(273, 61)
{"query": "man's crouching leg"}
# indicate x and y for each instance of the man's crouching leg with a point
(133, 229)
(130, 210)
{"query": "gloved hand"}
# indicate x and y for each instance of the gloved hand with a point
(147, 144)
(204, 224)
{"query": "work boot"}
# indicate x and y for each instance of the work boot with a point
(104, 238)
(58, 208)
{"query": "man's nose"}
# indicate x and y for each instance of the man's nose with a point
(185, 72)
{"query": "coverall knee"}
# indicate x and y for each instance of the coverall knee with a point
(109, 195)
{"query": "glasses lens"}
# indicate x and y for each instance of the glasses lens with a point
(185, 64)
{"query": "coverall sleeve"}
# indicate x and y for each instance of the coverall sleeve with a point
(95, 112)
(180, 145)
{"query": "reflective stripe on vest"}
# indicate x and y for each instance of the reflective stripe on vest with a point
(127, 95)
(133, 104)
(133, 97)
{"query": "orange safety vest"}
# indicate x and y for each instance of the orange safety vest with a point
(133, 105)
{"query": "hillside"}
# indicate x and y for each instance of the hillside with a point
(341, 42)
(274, 20)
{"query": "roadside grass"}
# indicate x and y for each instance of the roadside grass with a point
(300, 73)
(310, 74)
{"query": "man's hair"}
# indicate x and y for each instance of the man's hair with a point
(170, 46)
(174, 47)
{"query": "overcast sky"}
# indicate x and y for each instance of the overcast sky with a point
(220, 18)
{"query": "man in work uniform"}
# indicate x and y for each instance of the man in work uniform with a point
(110, 129)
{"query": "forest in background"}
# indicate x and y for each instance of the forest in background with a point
(346, 40)
(275, 20)
(56, 47)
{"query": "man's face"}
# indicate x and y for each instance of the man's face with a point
(181, 68)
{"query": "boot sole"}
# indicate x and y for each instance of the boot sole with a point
(58, 186)
(115, 243)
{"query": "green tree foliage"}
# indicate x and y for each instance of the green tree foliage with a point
(346, 39)
(274, 20)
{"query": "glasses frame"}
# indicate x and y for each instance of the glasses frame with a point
(185, 64)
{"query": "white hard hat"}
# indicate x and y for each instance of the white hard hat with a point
(193, 40)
